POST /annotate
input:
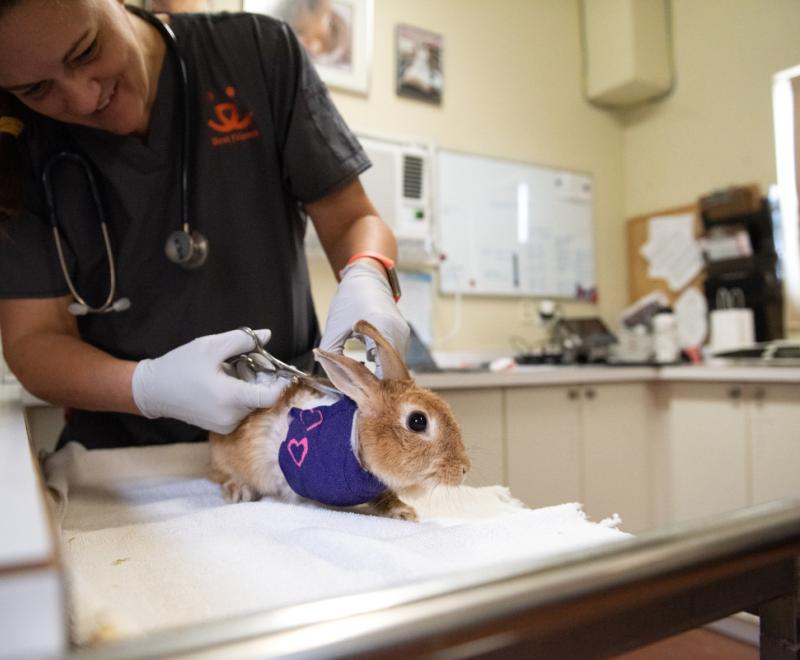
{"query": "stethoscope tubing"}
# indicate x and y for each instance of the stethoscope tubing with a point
(53, 214)
(172, 43)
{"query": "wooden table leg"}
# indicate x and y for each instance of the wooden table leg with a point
(780, 625)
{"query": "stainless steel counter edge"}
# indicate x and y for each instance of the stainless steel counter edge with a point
(557, 375)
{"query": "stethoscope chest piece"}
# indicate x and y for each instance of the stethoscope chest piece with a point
(189, 249)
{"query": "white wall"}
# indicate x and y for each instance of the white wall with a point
(716, 128)
(512, 89)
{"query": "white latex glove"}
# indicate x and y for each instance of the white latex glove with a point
(191, 383)
(364, 293)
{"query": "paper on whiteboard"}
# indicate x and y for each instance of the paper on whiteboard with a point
(672, 252)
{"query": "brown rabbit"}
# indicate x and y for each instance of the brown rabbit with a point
(407, 440)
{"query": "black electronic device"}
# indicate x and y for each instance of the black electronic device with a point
(419, 360)
(418, 357)
(755, 276)
(772, 353)
(584, 340)
(595, 339)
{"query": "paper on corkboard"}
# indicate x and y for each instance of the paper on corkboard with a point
(640, 283)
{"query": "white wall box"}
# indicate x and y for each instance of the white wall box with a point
(399, 184)
(627, 50)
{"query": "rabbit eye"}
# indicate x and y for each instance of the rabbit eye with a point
(417, 421)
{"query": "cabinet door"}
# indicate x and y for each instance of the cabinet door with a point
(543, 444)
(616, 464)
(480, 415)
(775, 441)
(707, 449)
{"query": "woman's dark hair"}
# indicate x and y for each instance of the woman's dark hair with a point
(11, 175)
(11, 163)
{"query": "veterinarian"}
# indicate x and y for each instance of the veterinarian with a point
(213, 136)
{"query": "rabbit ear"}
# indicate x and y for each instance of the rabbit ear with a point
(349, 376)
(391, 361)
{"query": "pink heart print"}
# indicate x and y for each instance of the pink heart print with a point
(298, 450)
(311, 419)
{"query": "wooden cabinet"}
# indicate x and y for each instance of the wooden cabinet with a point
(731, 446)
(584, 443)
(544, 444)
(480, 415)
(706, 452)
(774, 426)
(653, 452)
(617, 432)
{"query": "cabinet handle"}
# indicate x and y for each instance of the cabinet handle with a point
(760, 394)
(590, 394)
(572, 395)
(735, 393)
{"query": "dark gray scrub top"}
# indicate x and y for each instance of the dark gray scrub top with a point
(266, 138)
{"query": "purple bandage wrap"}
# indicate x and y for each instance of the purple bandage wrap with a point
(317, 457)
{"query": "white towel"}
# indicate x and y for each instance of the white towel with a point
(150, 544)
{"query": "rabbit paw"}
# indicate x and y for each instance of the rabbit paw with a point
(403, 512)
(239, 492)
(392, 506)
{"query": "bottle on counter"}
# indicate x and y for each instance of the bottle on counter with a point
(666, 348)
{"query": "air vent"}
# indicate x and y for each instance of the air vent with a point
(412, 177)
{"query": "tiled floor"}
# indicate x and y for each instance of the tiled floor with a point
(695, 645)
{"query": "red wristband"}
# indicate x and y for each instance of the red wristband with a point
(387, 263)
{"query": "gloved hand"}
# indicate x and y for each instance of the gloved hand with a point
(192, 383)
(364, 293)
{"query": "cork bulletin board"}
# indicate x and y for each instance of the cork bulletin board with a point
(639, 283)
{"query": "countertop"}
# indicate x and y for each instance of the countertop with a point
(566, 375)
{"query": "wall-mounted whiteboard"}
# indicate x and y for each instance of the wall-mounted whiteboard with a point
(511, 228)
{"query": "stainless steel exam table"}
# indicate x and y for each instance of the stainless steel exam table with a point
(582, 605)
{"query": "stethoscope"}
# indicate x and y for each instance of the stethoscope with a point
(185, 246)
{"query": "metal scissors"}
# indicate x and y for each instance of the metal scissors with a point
(261, 360)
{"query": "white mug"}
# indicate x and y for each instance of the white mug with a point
(731, 328)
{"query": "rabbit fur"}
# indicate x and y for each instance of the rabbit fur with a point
(406, 435)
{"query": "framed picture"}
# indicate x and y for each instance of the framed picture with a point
(419, 64)
(177, 6)
(336, 34)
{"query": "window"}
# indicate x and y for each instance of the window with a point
(786, 111)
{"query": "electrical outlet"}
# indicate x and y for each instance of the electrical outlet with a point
(528, 314)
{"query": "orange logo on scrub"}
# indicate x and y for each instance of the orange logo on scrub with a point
(228, 116)
(229, 125)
